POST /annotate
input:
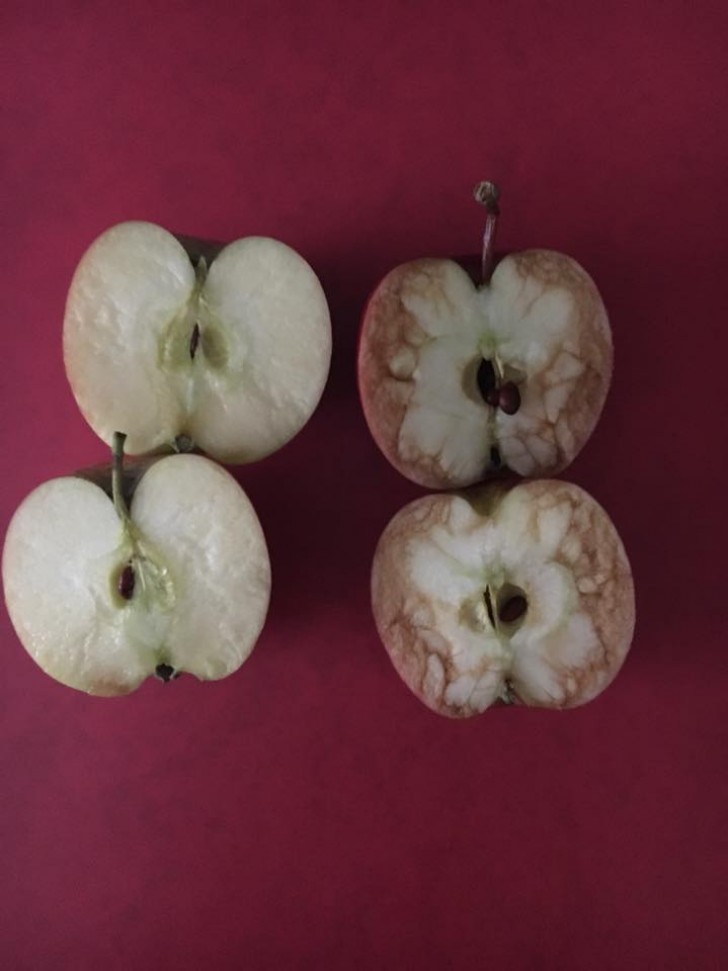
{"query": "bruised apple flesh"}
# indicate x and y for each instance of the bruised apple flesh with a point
(461, 380)
(102, 594)
(227, 351)
(517, 594)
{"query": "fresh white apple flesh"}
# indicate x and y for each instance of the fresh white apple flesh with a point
(232, 356)
(519, 594)
(179, 584)
(434, 346)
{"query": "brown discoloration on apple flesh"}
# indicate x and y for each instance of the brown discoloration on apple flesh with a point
(388, 350)
(588, 342)
(557, 395)
(413, 623)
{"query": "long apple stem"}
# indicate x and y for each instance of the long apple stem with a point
(117, 476)
(488, 194)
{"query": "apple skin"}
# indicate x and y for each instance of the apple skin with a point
(554, 431)
(547, 539)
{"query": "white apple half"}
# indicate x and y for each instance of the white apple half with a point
(101, 598)
(459, 381)
(230, 356)
(518, 594)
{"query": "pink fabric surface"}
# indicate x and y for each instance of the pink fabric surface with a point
(308, 812)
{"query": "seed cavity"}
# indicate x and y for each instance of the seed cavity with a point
(194, 341)
(486, 378)
(495, 457)
(127, 580)
(505, 396)
(489, 606)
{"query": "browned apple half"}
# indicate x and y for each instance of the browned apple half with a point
(520, 594)
(460, 381)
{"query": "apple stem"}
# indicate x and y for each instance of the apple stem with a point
(488, 194)
(117, 476)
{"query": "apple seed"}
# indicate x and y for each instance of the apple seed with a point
(509, 398)
(126, 582)
(495, 457)
(513, 609)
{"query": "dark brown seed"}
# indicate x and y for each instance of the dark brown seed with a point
(493, 397)
(495, 457)
(194, 340)
(513, 609)
(509, 398)
(126, 582)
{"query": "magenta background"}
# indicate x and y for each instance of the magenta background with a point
(309, 812)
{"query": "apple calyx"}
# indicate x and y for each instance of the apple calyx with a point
(166, 673)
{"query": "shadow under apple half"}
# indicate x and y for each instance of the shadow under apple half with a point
(517, 594)
(104, 592)
(226, 348)
(459, 381)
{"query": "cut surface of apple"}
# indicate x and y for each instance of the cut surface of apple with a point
(232, 356)
(179, 584)
(518, 594)
(459, 381)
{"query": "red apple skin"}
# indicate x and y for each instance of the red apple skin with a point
(385, 322)
(407, 621)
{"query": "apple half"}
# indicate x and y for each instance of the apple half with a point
(460, 381)
(227, 351)
(102, 596)
(517, 594)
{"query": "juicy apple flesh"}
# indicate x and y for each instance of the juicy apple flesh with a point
(180, 583)
(517, 594)
(230, 355)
